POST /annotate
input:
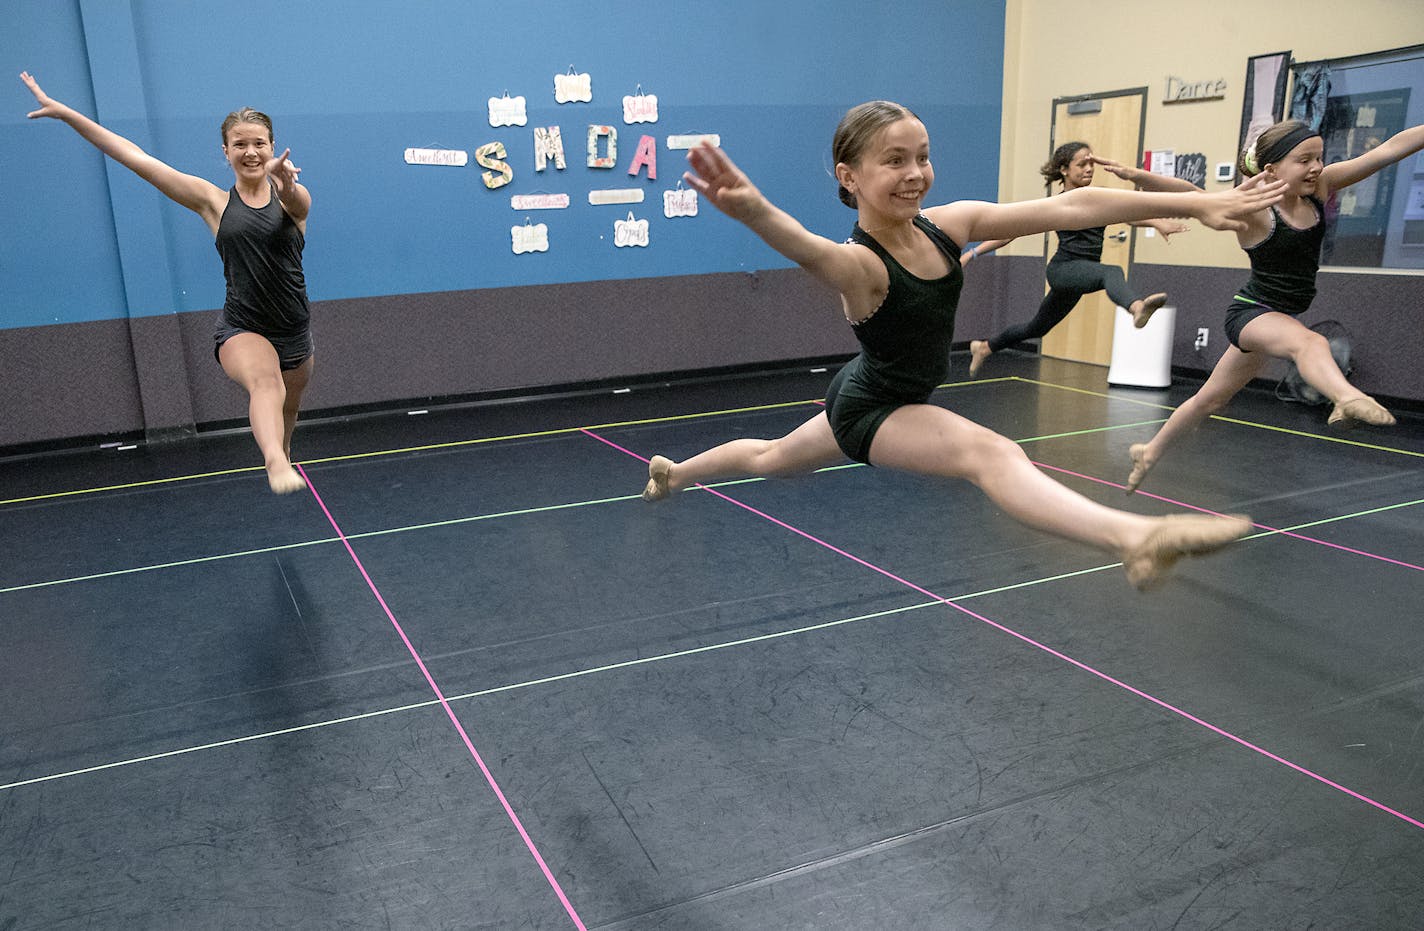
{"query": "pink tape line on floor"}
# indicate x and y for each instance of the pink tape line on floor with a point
(1049, 650)
(1193, 507)
(450, 712)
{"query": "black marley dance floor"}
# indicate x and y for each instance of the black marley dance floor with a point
(470, 680)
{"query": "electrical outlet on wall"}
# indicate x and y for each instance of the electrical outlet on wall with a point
(1200, 344)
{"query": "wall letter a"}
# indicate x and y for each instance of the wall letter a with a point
(647, 154)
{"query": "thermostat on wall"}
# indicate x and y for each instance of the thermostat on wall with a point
(1225, 171)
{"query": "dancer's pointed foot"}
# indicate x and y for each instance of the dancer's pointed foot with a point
(978, 351)
(1143, 310)
(1362, 409)
(1140, 466)
(283, 479)
(659, 472)
(1179, 535)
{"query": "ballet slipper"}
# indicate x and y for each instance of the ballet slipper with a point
(1140, 466)
(283, 479)
(659, 472)
(979, 351)
(1179, 535)
(1363, 409)
(1149, 306)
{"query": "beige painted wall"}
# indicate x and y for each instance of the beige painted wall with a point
(1058, 49)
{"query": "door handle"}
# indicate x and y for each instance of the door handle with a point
(1119, 236)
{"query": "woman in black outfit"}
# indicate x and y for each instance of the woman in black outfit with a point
(263, 338)
(1076, 268)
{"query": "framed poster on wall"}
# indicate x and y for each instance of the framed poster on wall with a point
(1358, 216)
(1264, 100)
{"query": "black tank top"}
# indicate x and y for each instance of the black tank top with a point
(261, 249)
(1284, 264)
(1080, 244)
(905, 342)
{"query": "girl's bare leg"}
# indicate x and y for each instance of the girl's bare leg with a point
(250, 360)
(1285, 337)
(933, 441)
(1233, 371)
(295, 381)
(809, 446)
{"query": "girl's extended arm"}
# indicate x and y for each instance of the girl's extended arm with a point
(849, 270)
(1168, 228)
(197, 194)
(1144, 179)
(295, 198)
(1343, 174)
(968, 255)
(1087, 207)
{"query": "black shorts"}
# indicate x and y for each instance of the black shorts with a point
(854, 415)
(292, 350)
(1242, 311)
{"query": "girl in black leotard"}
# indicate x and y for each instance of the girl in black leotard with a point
(1076, 268)
(898, 278)
(1283, 243)
(263, 339)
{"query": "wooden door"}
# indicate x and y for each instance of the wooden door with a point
(1112, 126)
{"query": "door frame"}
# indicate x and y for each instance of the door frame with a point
(1141, 138)
(1102, 349)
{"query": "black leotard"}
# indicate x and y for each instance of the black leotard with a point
(904, 343)
(261, 249)
(1283, 270)
(1080, 244)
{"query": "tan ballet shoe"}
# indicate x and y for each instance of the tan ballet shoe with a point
(1179, 535)
(283, 479)
(1363, 409)
(1140, 466)
(659, 471)
(979, 351)
(1150, 305)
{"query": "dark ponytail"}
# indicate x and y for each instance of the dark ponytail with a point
(1062, 157)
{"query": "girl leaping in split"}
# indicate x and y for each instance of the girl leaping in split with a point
(1283, 243)
(899, 279)
(1076, 268)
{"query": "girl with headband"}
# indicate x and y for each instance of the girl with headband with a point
(1283, 243)
(1077, 267)
(899, 280)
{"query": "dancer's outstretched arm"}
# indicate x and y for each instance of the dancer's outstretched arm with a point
(851, 270)
(1146, 180)
(967, 221)
(1343, 174)
(969, 255)
(197, 194)
(295, 198)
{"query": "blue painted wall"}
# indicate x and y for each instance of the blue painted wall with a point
(351, 85)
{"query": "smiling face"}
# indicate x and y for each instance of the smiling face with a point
(1301, 167)
(248, 147)
(893, 174)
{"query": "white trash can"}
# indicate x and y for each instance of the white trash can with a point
(1142, 358)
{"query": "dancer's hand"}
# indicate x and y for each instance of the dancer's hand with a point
(1125, 172)
(726, 187)
(282, 171)
(1228, 210)
(1167, 228)
(48, 107)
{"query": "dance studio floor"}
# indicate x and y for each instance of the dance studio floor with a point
(470, 680)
